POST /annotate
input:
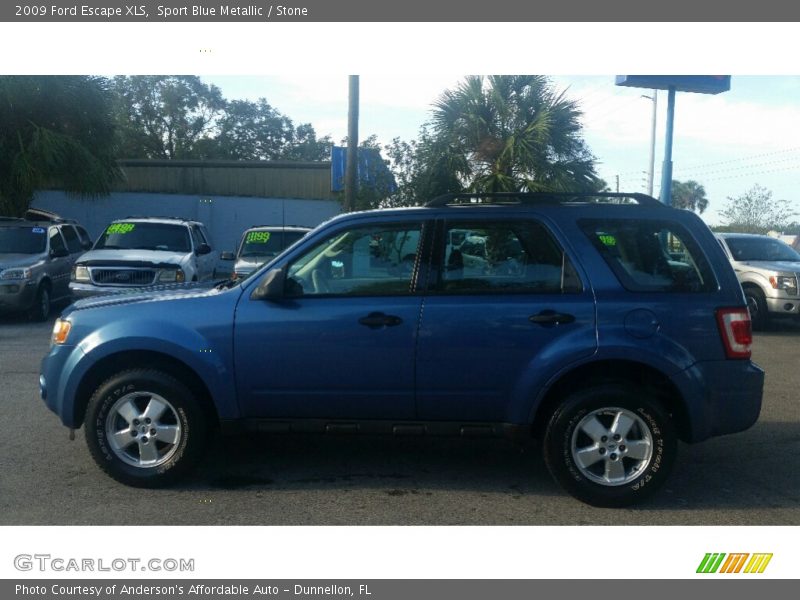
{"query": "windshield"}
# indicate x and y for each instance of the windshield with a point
(145, 236)
(756, 248)
(23, 240)
(267, 243)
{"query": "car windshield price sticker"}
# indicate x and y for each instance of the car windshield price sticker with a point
(258, 237)
(120, 228)
(37, 230)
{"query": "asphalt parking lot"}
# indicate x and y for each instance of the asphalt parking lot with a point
(751, 478)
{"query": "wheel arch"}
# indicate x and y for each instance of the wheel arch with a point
(613, 371)
(120, 361)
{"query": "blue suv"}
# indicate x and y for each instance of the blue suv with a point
(607, 326)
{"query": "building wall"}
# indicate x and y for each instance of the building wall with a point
(262, 179)
(225, 216)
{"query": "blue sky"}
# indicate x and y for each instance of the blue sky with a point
(727, 142)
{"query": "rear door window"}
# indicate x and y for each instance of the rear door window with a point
(651, 256)
(71, 237)
(502, 257)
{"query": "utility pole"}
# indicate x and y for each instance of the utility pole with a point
(351, 169)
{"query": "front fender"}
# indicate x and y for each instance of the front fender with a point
(208, 360)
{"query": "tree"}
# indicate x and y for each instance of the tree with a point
(512, 133)
(424, 168)
(54, 130)
(756, 212)
(690, 195)
(165, 116)
(252, 131)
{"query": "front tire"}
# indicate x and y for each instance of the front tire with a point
(42, 305)
(757, 306)
(145, 428)
(611, 445)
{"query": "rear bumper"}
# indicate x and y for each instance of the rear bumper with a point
(721, 397)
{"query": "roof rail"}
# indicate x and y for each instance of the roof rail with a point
(546, 198)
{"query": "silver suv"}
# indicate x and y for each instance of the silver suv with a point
(36, 257)
(768, 270)
(261, 244)
(141, 252)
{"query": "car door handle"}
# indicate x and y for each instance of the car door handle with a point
(551, 317)
(376, 320)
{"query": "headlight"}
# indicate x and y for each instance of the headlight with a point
(787, 283)
(18, 273)
(61, 331)
(80, 273)
(172, 276)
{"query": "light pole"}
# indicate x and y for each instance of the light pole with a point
(651, 172)
(351, 166)
(666, 172)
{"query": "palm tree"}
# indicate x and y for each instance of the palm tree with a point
(690, 195)
(54, 131)
(513, 133)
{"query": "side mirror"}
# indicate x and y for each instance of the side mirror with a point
(86, 245)
(227, 256)
(271, 286)
(59, 253)
(202, 249)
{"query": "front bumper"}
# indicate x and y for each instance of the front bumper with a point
(89, 290)
(784, 306)
(17, 295)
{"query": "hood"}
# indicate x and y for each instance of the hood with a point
(773, 265)
(153, 257)
(154, 294)
(250, 263)
(18, 260)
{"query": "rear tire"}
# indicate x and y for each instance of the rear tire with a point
(145, 428)
(610, 445)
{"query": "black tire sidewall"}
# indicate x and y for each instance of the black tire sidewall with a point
(37, 314)
(761, 318)
(558, 444)
(188, 412)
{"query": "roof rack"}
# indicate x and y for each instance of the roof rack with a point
(41, 215)
(545, 198)
(165, 217)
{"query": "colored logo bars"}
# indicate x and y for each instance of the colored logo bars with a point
(734, 563)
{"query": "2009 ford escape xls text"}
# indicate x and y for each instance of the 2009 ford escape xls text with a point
(608, 326)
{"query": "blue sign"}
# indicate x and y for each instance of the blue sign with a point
(372, 170)
(701, 84)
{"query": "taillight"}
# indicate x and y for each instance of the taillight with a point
(736, 331)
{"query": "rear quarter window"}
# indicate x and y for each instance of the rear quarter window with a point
(651, 255)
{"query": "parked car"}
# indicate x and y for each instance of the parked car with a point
(35, 262)
(579, 331)
(261, 244)
(143, 252)
(768, 270)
